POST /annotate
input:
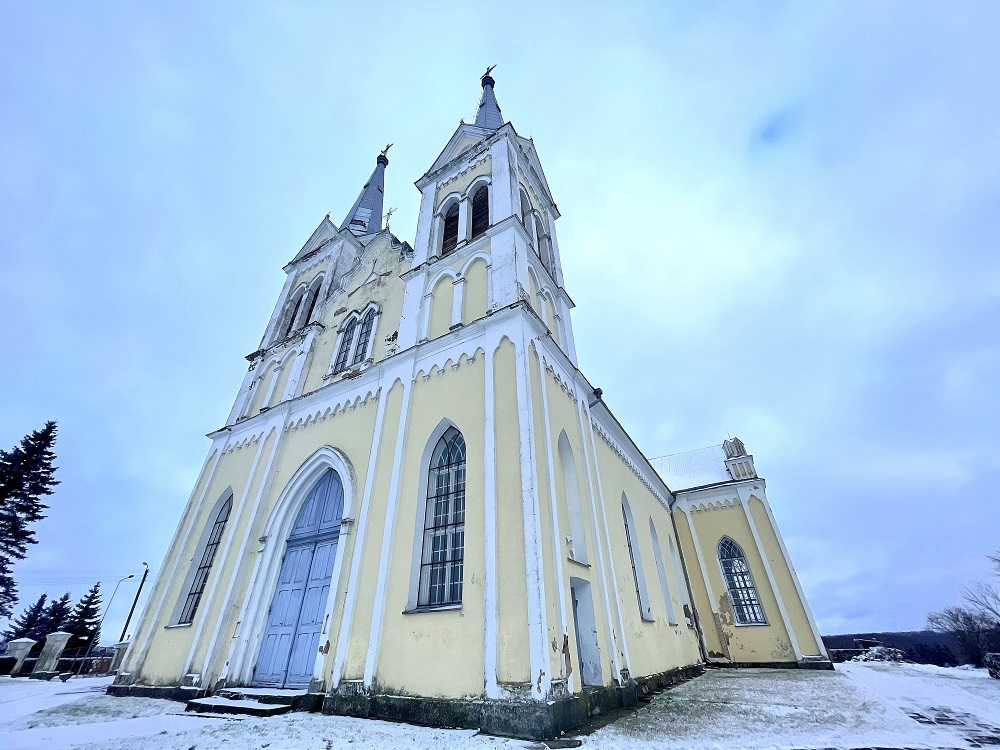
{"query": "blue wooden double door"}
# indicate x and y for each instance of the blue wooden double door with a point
(295, 620)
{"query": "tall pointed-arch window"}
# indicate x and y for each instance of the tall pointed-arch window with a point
(480, 211)
(364, 337)
(205, 564)
(346, 341)
(290, 321)
(442, 559)
(449, 237)
(313, 299)
(742, 591)
(635, 557)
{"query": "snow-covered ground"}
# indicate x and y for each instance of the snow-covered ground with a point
(859, 705)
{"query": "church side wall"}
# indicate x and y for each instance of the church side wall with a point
(653, 646)
(169, 646)
(437, 653)
(794, 605)
(746, 643)
(702, 602)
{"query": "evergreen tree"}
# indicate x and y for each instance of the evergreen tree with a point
(26, 626)
(27, 474)
(84, 621)
(57, 614)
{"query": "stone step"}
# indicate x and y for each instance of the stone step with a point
(217, 704)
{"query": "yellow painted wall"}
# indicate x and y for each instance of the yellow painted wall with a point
(714, 637)
(461, 182)
(474, 303)
(513, 664)
(654, 646)
(440, 312)
(164, 662)
(747, 643)
(783, 578)
(438, 653)
(361, 622)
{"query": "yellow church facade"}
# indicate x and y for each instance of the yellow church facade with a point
(420, 509)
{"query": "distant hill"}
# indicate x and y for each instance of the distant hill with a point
(926, 646)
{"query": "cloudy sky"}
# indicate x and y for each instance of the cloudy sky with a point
(780, 221)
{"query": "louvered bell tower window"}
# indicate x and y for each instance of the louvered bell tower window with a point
(480, 211)
(449, 238)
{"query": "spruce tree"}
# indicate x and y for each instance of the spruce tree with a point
(57, 614)
(27, 474)
(84, 621)
(26, 626)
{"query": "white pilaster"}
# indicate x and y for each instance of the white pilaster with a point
(557, 543)
(378, 610)
(457, 299)
(541, 680)
(490, 584)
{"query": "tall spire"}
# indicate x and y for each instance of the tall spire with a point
(489, 115)
(365, 217)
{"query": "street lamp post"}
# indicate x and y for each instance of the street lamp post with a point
(94, 635)
(134, 602)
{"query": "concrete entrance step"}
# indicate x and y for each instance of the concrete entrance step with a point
(217, 704)
(281, 696)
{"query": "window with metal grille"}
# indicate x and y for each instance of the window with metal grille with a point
(443, 554)
(449, 237)
(361, 353)
(480, 211)
(742, 591)
(205, 566)
(346, 340)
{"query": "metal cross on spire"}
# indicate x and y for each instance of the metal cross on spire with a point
(385, 151)
(388, 214)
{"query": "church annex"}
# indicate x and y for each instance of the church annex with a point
(420, 509)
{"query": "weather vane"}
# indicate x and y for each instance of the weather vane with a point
(385, 150)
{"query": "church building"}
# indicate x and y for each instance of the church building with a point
(420, 509)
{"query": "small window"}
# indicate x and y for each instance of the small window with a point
(525, 211)
(347, 339)
(364, 337)
(449, 238)
(742, 591)
(442, 559)
(205, 565)
(480, 211)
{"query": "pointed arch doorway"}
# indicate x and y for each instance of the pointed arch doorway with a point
(295, 619)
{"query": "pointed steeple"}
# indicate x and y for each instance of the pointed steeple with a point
(489, 115)
(365, 216)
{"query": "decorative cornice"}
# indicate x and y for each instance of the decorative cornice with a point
(613, 444)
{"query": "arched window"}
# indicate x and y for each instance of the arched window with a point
(739, 581)
(290, 321)
(662, 570)
(205, 564)
(635, 558)
(449, 237)
(313, 299)
(525, 210)
(347, 339)
(364, 337)
(443, 553)
(544, 246)
(480, 211)
(578, 537)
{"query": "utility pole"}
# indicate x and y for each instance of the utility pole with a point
(134, 602)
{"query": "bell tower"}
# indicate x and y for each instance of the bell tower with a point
(486, 193)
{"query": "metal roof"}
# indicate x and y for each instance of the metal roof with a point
(365, 216)
(489, 115)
